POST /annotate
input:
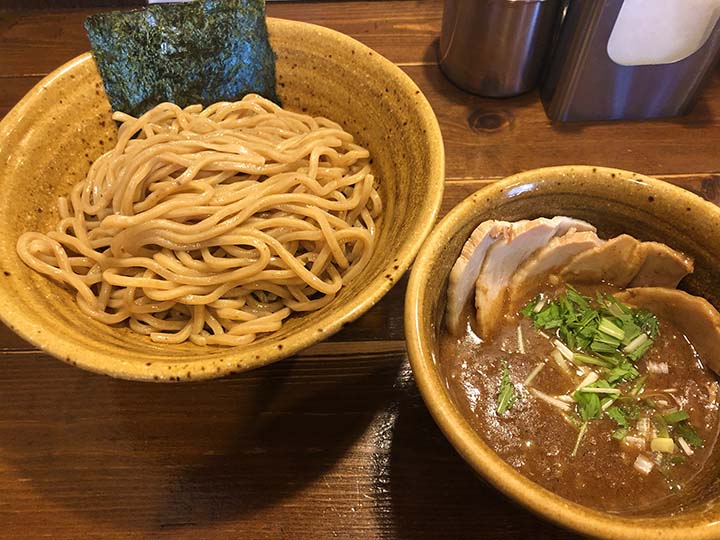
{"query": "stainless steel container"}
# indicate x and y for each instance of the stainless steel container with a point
(496, 48)
(609, 63)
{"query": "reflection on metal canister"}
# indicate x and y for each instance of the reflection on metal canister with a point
(631, 59)
(496, 48)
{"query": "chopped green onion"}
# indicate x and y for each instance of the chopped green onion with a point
(635, 343)
(638, 386)
(661, 426)
(675, 417)
(641, 350)
(607, 327)
(585, 359)
(662, 444)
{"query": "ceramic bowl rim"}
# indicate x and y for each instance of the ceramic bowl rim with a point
(461, 435)
(12, 315)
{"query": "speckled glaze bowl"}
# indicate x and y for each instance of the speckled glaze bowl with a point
(616, 202)
(49, 140)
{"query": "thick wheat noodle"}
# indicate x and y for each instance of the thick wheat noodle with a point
(213, 225)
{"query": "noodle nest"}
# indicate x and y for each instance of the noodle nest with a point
(213, 225)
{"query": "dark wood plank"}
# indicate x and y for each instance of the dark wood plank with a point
(300, 450)
(486, 138)
(12, 89)
(400, 30)
(336, 441)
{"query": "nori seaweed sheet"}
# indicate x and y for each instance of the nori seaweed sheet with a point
(196, 52)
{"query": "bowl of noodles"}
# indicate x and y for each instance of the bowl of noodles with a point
(193, 243)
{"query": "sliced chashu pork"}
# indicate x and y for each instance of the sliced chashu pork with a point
(465, 271)
(662, 266)
(530, 278)
(505, 255)
(625, 261)
(616, 261)
(693, 316)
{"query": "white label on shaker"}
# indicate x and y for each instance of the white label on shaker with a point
(661, 31)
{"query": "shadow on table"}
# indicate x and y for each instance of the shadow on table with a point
(151, 457)
(430, 493)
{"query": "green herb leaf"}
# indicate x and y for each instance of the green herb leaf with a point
(618, 415)
(647, 322)
(686, 430)
(624, 372)
(620, 433)
(529, 308)
(588, 405)
(506, 395)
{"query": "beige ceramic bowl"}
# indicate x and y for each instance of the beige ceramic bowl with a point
(615, 201)
(49, 140)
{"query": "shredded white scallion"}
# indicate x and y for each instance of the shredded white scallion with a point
(685, 446)
(635, 442)
(543, 334)
(537, 369)
(541, 304)
(644, 426)
(676, 400)
(605, 406)
(643, 464)
(550, 400)
(521, 343)
(594, 390)
(712, 391)
(560, 346)
(657, 367)
(591, 378)
(566, 399)
(560, 361)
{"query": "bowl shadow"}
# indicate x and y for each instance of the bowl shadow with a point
(444, 498)
(156, 458)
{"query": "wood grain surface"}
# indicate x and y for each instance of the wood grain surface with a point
(335, 442)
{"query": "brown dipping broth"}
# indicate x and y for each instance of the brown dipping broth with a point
(535, 439)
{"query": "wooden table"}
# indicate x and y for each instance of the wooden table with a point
(335, 442)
